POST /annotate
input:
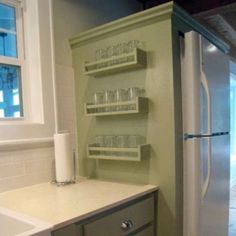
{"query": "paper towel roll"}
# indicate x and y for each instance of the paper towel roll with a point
(63, 157)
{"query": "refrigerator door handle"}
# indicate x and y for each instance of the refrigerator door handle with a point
(205, 86)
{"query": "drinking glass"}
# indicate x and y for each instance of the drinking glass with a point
(99, 141)
(109, 97)
(132, 44)
(122, 141)
(133, 93)
(98, 54)
(121, 96)
(125, 47)
(135, 140)
(98, 99)
(109, 55)
(110, 141)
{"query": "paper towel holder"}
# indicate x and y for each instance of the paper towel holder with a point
(60, 184)
(73, 181)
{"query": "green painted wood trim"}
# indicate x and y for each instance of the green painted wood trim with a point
(184, 17)
(161, 12)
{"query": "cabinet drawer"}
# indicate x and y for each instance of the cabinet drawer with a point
(149, 231)
(139, 214)
(70, 230)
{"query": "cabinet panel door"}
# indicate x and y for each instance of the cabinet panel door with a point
(139, 214)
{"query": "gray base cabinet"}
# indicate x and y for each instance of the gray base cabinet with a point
(134, 218)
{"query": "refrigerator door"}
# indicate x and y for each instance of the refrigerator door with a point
(214, 208)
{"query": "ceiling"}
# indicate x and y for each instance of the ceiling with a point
(218, 16)
(222, 21)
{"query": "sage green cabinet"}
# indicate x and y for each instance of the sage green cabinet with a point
(134, 218)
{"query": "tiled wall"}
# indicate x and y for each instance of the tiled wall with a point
(25, 167)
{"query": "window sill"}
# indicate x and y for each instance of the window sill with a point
(12, 145)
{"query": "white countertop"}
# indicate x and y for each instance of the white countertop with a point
(61, 206)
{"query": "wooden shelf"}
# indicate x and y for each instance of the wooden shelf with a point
(126, 61)
(118, 154)
(137, 106)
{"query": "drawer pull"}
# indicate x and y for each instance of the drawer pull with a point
(127, 224)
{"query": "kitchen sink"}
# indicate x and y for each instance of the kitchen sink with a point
(15, 224)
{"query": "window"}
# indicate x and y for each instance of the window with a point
(11, 59)
(28, 65)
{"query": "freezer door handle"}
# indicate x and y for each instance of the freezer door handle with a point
(205, 86)
(191, 136)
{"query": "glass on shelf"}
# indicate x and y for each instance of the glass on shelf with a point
(99, 141)
(109, 97)
(135, 140)
(110, 141)
(112, 53)
(98, 99)
(111, 100)
(120, 96)
(133, 93)
(118, 141)
(121, 143)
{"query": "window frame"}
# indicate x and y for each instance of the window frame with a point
(38, 121)
(20, 59)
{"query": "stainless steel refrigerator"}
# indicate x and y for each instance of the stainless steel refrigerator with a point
(206, 123)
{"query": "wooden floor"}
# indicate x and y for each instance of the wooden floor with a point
(232, 214)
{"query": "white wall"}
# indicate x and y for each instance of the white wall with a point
(21, 168)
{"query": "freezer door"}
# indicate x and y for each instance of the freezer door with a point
(214, 208)
(205, 86)
(214, 66)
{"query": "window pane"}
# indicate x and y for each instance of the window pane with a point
(8, 44)
(7, 17)
(10, 88)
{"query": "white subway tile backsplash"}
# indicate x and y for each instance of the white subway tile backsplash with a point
(26, 167)
(11, 170)
(5, 158)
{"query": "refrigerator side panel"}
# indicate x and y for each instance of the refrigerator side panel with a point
(192, 188)
(190, 69)
(215, 66)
